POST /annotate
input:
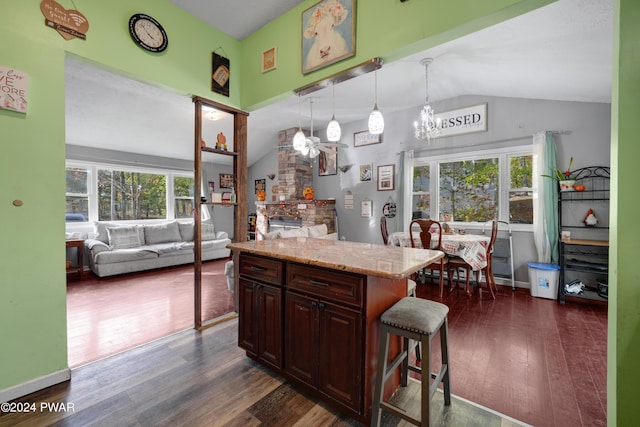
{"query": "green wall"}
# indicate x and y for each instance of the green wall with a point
(32, 254)
(32, 275)
(624, 302)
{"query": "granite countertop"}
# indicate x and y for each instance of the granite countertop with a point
(390, 262)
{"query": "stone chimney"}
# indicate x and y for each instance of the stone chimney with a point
(295, 171)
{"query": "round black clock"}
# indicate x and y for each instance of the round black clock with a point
(148, 33)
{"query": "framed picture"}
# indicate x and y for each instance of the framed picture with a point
(366, 208)
(385, 177)
(366, 172)
(212, 186)
(226, 197)
(269, 58)
(226, 180)
(328, 161)
(220, 74)
(328, 33)
(261, 184)
(365, 138)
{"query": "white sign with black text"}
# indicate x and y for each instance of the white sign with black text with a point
(463, 120)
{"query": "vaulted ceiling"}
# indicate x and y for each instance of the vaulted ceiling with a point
(562, 51)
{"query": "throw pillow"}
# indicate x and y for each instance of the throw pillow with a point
(100, 230)
(123, 237)
(295, 232)
(167, 232)
(208, 231)
(318, 230)
(186, 231)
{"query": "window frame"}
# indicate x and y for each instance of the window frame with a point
(503, 155)
(92, 189)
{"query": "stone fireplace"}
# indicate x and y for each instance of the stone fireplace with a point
(289, 208)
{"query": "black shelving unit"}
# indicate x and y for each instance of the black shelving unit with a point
(584, 256)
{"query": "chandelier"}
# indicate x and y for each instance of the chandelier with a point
(426, 128)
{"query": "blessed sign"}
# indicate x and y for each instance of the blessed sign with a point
(463, 120)
(13, 89)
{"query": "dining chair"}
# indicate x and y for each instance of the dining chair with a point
(457, 263)
(383, 230)
(425, 238)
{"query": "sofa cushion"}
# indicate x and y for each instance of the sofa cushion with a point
(124, 255)
(208, 231)
(186, 231)
(100, 230)
(166, 232)
(318, 230)
(272, 235)
(295, 232)
(124, 237)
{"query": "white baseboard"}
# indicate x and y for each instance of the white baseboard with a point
(34, 385)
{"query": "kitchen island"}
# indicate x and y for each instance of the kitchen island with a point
(309, 310)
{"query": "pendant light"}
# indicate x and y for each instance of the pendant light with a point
(376, 121)
(299, 140)
(426, 128)
(333, 129)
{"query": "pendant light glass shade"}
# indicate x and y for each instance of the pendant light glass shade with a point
(426, 127)
(333, 129)
(299, 140)
(376, 121)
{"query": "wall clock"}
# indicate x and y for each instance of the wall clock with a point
(148, 33)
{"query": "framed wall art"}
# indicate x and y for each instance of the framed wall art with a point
(226, 180)
(328, 33)
(328, 162)
(366, 173)
(366, 208)
(365, 138)
(269, 58)
(385, 177)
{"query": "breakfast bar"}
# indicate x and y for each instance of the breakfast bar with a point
(309, 310)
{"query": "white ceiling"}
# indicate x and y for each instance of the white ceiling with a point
(562, 51)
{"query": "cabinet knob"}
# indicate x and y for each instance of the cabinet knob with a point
(321, 305)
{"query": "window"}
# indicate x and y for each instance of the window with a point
(109, 193)
(521, 189)
(183, 196)
(475, 187)
(77, 195)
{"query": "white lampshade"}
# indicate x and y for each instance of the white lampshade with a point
(376, 122)
(333, 130)
(299, 141)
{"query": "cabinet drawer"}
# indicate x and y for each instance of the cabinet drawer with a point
(263, 269)
(330, 284)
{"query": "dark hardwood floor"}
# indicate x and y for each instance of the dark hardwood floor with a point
(204, 379)
(108, 315)
(532, 359)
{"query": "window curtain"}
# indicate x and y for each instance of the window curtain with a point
(545, 199)
(406, 189)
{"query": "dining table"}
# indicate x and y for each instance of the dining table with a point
(472, 248)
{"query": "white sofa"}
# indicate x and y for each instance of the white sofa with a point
(316, 231)
(118, 249)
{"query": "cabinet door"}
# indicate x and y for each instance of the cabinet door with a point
(269, 321)
(247, 318)
(301, 326)
(340, 369)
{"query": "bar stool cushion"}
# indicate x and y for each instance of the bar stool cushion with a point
(416, 315)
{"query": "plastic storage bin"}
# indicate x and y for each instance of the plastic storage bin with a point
(544, 279)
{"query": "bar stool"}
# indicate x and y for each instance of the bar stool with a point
(419, 320)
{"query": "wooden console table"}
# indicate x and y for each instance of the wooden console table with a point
(76, 269)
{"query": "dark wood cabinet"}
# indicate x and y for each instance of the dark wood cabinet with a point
(326, 353)
(316, 326)
(261, 311)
